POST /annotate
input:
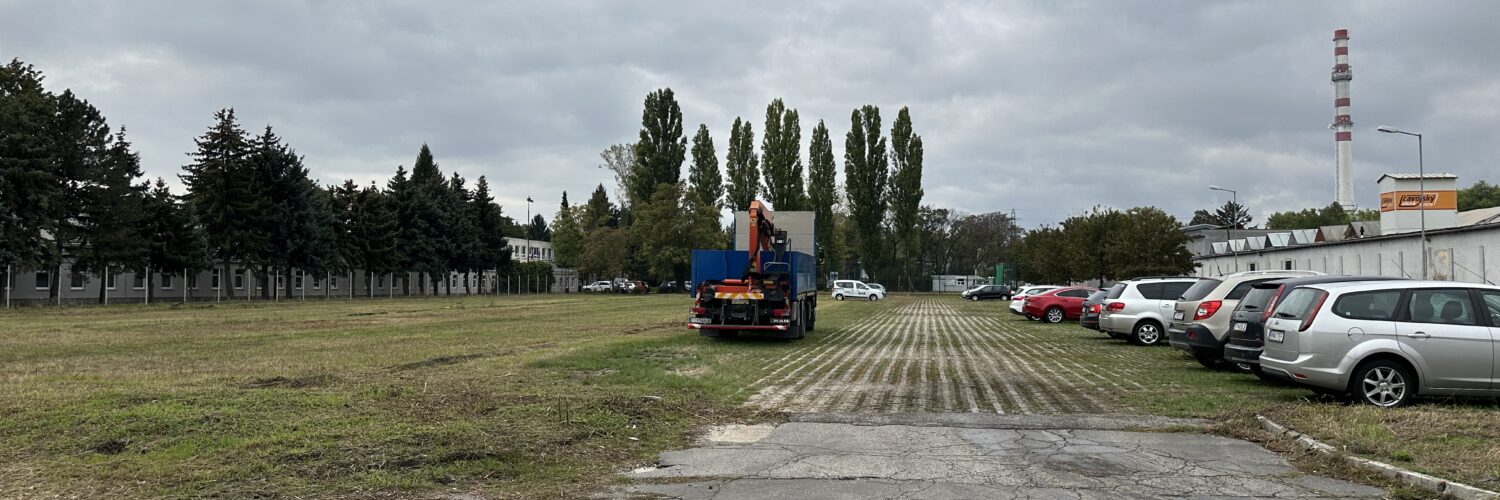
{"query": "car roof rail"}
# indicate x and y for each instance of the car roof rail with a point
(1138, 278)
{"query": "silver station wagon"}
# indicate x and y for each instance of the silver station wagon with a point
(1385, 343)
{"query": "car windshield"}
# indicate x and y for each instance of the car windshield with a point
(1200, 289)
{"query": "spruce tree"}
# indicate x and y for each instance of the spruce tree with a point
(30, 189)
(662, 147)
(740, 165)
(175, 243)
(218, 184)
(463, 235)
(489, 226)
(704, 179)
(599, 212)
(781, 158)
(428, 240)
(567, 236)
(373, 232)
(347, 249)
(110, 216)
(823, 196)
(865, 175)
(538, 229)
(905, 190)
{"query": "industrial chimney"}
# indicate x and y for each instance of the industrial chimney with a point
(1342, 125)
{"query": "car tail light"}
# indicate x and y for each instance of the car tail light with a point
(1094, 308)
(1313, 314)
(1116, 306)
(1206, 309)
(1266, 316)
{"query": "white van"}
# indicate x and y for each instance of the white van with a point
(851, 289)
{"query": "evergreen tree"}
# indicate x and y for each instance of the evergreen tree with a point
(399, 191)
(175, 243)
(289, 230)
(823, 196)
(107, 222)
(428, 245)
(463, 235)
(373, 231)
(662, 147)
(493, 251)
(30, 189)
(599, 212)
(781, 158)
(538, 230)
(906, 191)
(219, 183)
(567, 235)
(740, 165)
(705, 181)
(865, 177)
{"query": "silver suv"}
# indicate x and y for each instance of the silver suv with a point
(1200, 320)
(1137, 310)
(1387, 342)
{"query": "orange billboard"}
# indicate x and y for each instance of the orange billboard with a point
(1412, 200)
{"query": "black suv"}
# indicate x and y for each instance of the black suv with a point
(1246, 337)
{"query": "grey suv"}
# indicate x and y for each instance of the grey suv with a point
(1385, 343)
(1137, 310)
(1201, 316)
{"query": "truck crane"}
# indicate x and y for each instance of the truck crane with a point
(765, 288)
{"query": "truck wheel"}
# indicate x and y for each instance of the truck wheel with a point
(812, 316)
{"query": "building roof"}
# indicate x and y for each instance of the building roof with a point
(1332, 233)
(1479, 216)
(1416, 176)
(1492, 226)
(1364, 228)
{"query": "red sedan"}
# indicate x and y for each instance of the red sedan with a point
(1056, 306)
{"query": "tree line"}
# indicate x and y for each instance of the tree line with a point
(871, 225)
(71, 188)
(1105, 245)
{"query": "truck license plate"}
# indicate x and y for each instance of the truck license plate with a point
(739, 301)
(700, 320)
(1276, 336)
(1240, 327)
(1177, 315)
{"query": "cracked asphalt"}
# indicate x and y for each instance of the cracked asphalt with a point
(926, 402)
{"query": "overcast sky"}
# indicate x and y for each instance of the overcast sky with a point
(1047, 108)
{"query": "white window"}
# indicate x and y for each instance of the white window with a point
(43, 280)
(216, 277)
(380, 281)
(109, 281)
(1286, 265)
(333, 282)
(297, 281)
(280, 281)
(239, 279)
(317, 282)
(139, 281)
(76, 280)
(166, 281)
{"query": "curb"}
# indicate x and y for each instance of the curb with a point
(1441, 486)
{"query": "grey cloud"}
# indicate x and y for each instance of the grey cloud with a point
(1047, 108)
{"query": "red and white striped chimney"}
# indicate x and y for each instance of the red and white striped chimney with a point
(1343, 125)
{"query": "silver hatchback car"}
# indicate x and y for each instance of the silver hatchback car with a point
(1387, 342)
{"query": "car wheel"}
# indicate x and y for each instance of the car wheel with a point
(1383, 383)
(838, 297)
(974, 298)
(1055, 315)
(1146, 333)
(874, 298)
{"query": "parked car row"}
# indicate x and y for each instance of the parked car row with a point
(638, 287)
(1381, 341)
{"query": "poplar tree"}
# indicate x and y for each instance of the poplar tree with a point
(865, 178)
(823, 196)
(781, 158)
(905, 191)
(704, 179)
(740, 165)
(662, 147)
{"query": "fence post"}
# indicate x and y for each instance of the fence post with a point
(7, 286)
(105, 284)
(147, 282)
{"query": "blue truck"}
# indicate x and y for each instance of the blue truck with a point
(766, 289)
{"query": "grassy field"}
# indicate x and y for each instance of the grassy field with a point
(539, 396)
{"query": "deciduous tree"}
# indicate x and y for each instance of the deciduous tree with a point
(865, 175)
(740, 165)
(781, 158)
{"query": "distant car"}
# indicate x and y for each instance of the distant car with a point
(851, 289)
(639, 287)
(969, 290)
(987, 292)
(877, 286)
(599, 286)
(1019, 298)
(668, 287)
(1092, 306)
(1057, 305)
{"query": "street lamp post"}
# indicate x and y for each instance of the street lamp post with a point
(1421, 191)
(528, 230)
(1234, 199)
